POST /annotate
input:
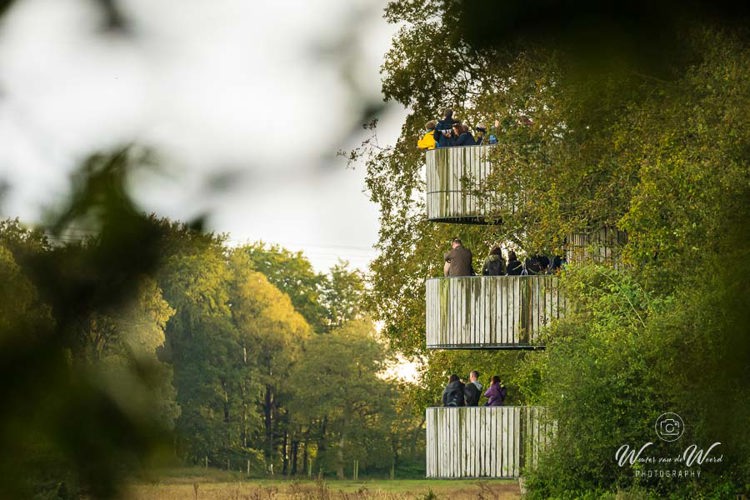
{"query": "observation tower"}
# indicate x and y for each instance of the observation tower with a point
(481, 312)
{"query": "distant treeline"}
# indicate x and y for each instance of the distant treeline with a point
(249, 356)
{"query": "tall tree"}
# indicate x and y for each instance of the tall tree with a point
(336, 384)
(343, 292)
(293, 274)
(202, 345)
(271, 333)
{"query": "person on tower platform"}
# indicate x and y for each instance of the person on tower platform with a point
(515, 268)
(473, 390)
(443, 129)
(428, 140)
(496, 393)
(458, 260)
(464, 136)
(495, 263)
(453, 394)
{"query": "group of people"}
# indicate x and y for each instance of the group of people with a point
(459, 393)
(458, 262)
(449, 133)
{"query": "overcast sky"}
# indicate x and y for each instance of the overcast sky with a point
(255, 89)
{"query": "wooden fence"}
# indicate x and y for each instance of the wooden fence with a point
(500, 312)
(455, 184)
(484, 441)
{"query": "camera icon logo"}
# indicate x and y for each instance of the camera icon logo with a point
(669, 427)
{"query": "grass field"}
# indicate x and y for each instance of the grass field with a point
(201, 486)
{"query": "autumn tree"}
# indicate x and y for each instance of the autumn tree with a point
(272, 334)
(336, 385)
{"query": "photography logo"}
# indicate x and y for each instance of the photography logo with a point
(669, 427)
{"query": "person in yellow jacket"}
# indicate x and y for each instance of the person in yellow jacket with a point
(428, 140)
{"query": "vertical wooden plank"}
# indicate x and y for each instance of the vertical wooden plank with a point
(481, 331)
(492, 326)
(470, 443)
(507, 442)
(439, 440)
(515, 306)
(455, 450)
(460, 309)
(445, 445)
(481, 444)
(489, 293)
(504, 299)
(446, 442)
(433, 468)
(516, 440)
(428, 444)
(430, 306)
(503, 305)
(492, 442)
(500, 415)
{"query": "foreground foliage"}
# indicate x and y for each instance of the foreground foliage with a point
(150, 340)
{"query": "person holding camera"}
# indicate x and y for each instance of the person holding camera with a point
(443, 128)
(482, 138)
(463, 136)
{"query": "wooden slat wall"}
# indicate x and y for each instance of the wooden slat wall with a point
(472, 442)
(601, 246)
(490, 311)
(454, 178)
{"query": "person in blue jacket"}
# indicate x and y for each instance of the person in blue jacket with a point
(443, 129)
(464, 136)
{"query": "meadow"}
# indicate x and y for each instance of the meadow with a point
(199, 485)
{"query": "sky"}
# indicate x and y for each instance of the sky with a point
(257, 96)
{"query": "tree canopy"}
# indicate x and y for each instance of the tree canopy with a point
(628, 116)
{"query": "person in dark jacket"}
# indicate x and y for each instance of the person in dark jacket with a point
(532, 265)
(496, 393)
(514, 265)
(453, 394)
(443, 129)
(481, 131)
(464, 136)
(473, 389)
(556, 265)
(459, 260)
(495, 263)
